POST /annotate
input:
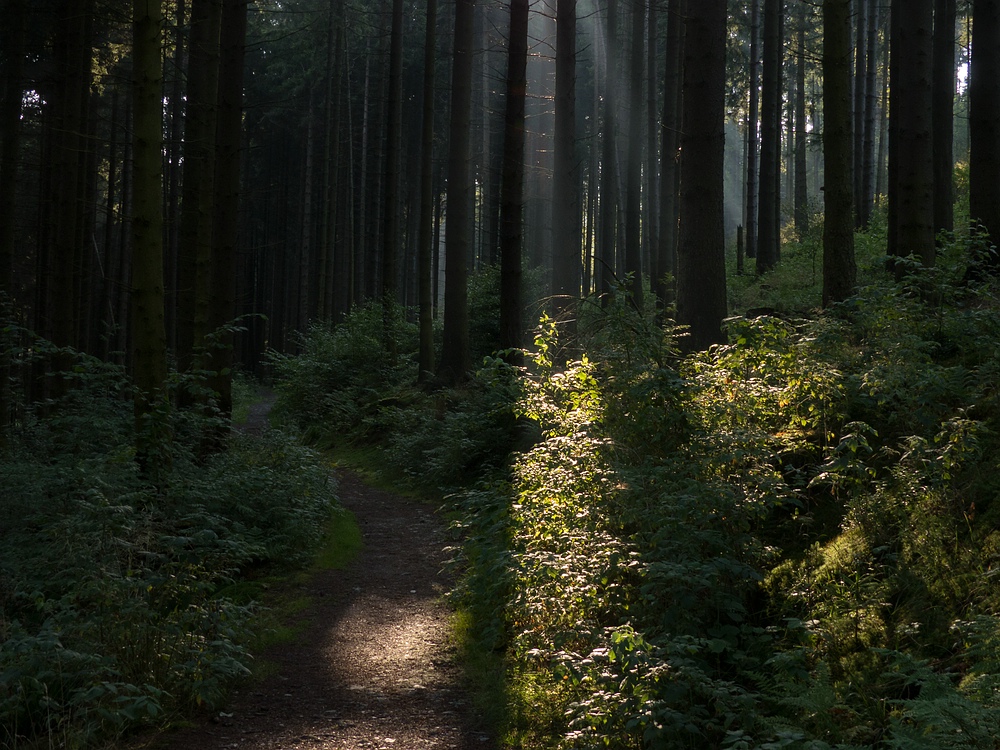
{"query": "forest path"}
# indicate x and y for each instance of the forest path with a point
(374, 666)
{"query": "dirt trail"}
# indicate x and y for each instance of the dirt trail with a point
(374, 667)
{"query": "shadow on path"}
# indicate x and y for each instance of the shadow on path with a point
(374, 667)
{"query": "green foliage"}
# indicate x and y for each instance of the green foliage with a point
(335, 388)
(342, 390)
(112, 611)
(787, 541)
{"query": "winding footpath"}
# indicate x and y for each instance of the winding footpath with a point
(374, 666)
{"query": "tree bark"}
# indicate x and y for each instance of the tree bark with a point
(222, 301)
(839, 270)
(426, 231)
(565, 184)
(394, 135)
(984, 119)
(198, 192)
(12, 41)
(606, 265)
(149, 338)
(70, 150)
(868, 160)
(458, 230)
(768, 237)
(633, 175)
(753, 139)
(943, 116)
(861, 10)
(701, 267)
(670, 126)
(801, 137)
(512, 184)
(914, 174)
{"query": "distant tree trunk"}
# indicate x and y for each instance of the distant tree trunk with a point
(943, 116)
(306, 255)
(12, 41)
(801, 137)
(512, 184)
(565, 183)
(670, 126)
(606, 261)
(222, 301)
(753, 140)
(458, 230)
(839, 270)
(701, 268)
(984, 118)
(914, 175)
(198, 193)
(650, 220)
(69, 153)
(861, 10)
(633, 175)
(149, 337)
(768, 237)
(891, 129)
(331, 161)
(868, 161)
(426, 239)
(174, 159)
(391, 238)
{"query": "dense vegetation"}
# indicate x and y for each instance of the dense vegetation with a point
(123, 603)
(786, 541)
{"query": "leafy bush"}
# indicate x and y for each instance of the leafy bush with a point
(111, 614)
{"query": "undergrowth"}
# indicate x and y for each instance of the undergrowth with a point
(787, 541)
(123, 604)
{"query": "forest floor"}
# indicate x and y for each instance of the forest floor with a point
(374, 664)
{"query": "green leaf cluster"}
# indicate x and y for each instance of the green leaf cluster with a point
(114, 610)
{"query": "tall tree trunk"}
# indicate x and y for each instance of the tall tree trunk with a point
(12, 41)
(306, 254)
(701, 266)
(650, 184)
(801, 137)
(512, 184)
(753, 140)
(458, 231)
(70, 149)
(633, 175)
(943, 116)
(861, 10)
(426, 239)
(198, 193)
(839, 270)
(565, 183)
(149, 338)
(984, 118)
(174, 160)
(891, 129)
(768, 237)
(914, 182)
(868, 161)
(670, 127)
(222, 308)
(606, 261)
(394, 135)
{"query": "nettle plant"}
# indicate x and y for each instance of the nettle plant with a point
(632, 563)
